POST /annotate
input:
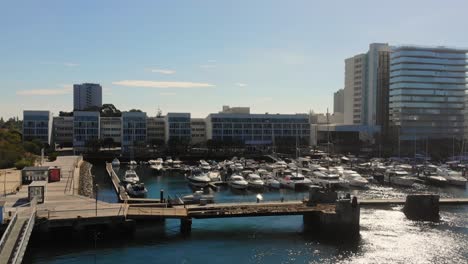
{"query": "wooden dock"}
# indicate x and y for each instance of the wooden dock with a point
(256, 209)
(224, 210)
(120, 190)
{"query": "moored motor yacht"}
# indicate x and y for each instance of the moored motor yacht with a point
(116, 162)
(295, 181)
(198, 197)
(156, 165)
(177, 165)
(204, 165)
(198, 178)
(354, 178)
(433, 178)
(453, 177)
(214, 175)
(132, 164)
(328, 180)
(398, 177)
(131, 177)
(168, 161)
(271, 182)
(238, 182)
(136, 189)
(255, 181)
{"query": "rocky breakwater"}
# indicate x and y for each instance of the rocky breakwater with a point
(86, 180)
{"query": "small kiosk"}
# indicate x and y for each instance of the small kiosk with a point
(54, 174)
(37, 189)
(30, 174)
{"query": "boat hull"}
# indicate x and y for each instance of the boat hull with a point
(237, 186)
(198, 183)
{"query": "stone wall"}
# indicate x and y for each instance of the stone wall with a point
(86, 180)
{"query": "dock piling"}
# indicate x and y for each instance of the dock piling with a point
(186, 226)
(423, 207)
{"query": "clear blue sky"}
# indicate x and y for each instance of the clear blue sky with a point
(194, 56)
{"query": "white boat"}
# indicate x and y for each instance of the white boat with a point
(255, 181)
(238, 166)
(238, 182)
(205, 165)
(136, 189)
(132, 164)
(214, 175)
(199, 178)
(116, 162)
(434, 179)
(281, 164)
(295, 181)
(177, 164)
(271, 182)
(169, 161)
(156, 165)
(398, 177)
(354, 178)
(131, 177)
(453, 177)
(328, 180)
(197, 197)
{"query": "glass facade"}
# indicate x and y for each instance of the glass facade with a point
(133, 129)
(85, 127)
(427, 88)
(258, 128)
(37, 125)
(179, 127)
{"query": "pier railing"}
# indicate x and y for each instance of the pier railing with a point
(82, 213)
(156, 212)
(25, 234)
(8, 231)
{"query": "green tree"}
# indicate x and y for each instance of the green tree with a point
(108, 142)
(93, 145)
(11, 148)
(32, 147)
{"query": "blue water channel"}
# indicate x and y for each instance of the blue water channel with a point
(386, 235)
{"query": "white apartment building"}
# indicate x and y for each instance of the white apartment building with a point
(155, 129)
(111, 127)
(63, 131)
(365, 84)
(198, 127)
(354, 88)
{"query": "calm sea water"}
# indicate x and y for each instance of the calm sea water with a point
(386, 235)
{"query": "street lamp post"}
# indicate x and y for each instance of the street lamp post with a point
(96, 188)
(4, 183)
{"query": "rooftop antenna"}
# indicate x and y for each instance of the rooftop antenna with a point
(328, 137)
(159, 112)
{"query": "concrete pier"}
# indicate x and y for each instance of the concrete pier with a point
(343, 222)
(424, 207)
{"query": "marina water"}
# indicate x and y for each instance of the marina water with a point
(386, 235)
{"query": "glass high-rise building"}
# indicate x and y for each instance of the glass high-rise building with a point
(86, 96)
(427, 91)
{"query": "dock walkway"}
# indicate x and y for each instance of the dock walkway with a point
(120, 190)
(385, 202)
